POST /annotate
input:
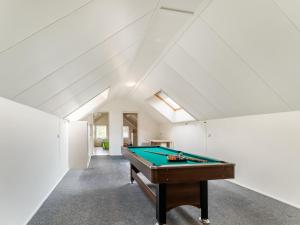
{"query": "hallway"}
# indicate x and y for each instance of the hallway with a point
(102, 195)
(100, 151)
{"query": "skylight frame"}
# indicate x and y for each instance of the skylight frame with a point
(174, 115)
(167, 100)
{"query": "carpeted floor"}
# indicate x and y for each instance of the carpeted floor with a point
(102, 195)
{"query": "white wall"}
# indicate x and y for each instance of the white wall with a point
(79, 155)
(190, 138)
(265, 148)
(33, 159)
(91, 132)
(148, 128)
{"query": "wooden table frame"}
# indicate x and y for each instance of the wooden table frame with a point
(177, 184)
(157, 142)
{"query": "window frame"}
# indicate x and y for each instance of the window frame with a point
(159, 101)
(128, 136)
(158, 95)
(97, 126)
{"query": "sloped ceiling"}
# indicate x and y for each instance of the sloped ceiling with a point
(215, 58)
(75, 51)
(235, 58)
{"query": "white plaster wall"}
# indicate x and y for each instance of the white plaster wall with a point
(148, 128)
(33, 159)
(265, 148)
(190, 137)
(90, 136)
(64, 145)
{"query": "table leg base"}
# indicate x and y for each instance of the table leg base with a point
(204, 221)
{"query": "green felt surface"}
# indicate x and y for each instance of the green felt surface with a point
(160, 160)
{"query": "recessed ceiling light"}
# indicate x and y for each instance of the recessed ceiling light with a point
(158, 40)
(130, 84)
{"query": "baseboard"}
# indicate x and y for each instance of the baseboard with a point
(45, 198)
(265, 194)
(89, 160)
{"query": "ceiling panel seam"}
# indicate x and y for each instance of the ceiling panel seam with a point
(176, 10)
(248, 65)
(287, 16)
(90, 71)
(100, 78)
(200, 115)
(83, 53)
(102, 90)
(110, 97)
(103, 76)
(203, 6)
(154, 10)
(196, 90)
(45, 27)
(216, 80)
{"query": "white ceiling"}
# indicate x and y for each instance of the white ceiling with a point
(235, 58)
(215, 58)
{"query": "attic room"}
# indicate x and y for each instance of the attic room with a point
(143, 112)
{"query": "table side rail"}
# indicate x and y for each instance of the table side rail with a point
(141, 164)
(180, 173)
(193, 173)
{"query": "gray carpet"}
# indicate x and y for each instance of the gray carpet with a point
(102, 195)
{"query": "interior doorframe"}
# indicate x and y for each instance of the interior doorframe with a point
(138, 125)
(108, 129)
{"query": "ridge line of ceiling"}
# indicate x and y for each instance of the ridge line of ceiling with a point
(45, 27)
(203, 6)
(154, 10)
(82, 54)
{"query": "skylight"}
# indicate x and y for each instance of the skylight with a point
(88, 107)
(162, 96)
(169, 108)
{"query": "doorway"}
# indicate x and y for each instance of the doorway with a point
(130, 129)
(101, 134)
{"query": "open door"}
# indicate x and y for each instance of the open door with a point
(130, 129)
(101, 136)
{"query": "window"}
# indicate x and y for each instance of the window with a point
(125, 132)
(169, 108)
(88, 107)
(101, 132)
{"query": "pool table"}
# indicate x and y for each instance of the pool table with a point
(176, 183)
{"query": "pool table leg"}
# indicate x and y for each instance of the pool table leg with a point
(204, 202)
(161, 210)
(131, 178)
